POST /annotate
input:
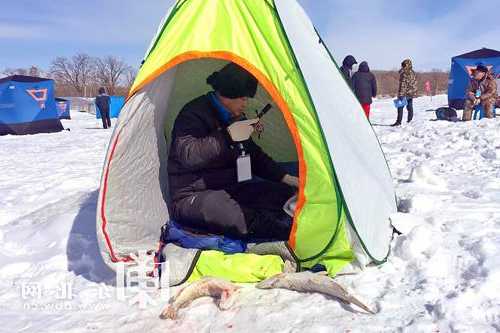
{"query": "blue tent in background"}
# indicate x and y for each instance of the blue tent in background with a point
(117, 103)
(27, 106)
(63, 106)
(461, 67)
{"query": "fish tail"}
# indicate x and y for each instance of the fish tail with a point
(169, 313)
(358, 303)
(349, 298)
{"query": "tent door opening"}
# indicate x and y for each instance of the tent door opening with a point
(189, 82)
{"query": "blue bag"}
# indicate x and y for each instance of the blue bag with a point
(173, 233)
(400, 102)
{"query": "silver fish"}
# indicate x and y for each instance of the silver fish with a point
(313, 283)
(213, 287)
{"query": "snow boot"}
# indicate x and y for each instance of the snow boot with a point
(400, 117)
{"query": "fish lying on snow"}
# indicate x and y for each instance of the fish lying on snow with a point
(213, 287)
(311, 282)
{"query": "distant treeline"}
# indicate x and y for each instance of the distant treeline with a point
(82, 75)
(388, 82)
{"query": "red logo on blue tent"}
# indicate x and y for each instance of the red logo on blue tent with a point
(39, 95)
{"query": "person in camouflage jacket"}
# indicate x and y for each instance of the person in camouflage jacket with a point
(497, 80)
(484, 85)
(407, 80)
(407, 89)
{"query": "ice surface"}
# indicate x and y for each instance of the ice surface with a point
(443, 273)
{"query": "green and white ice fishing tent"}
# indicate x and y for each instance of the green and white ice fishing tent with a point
(346, 194)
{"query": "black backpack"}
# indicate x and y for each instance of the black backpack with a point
(446, 113)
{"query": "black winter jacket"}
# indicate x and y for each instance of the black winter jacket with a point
(346, 68)
(102, 102)
(203, 157)
(364, 84)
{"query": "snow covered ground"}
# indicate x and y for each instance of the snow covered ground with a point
(443, 274)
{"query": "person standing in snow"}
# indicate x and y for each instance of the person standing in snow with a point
(408, 89)
(103, 102)
(497, 80)
(346, 68)
(365, 86)
(482, 90)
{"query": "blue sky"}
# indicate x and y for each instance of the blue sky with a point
(383, 32)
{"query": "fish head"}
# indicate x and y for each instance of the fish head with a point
(272, 282)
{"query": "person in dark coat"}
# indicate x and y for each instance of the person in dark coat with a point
(103, 102)
(365, 86)
(346, 68)
(202, 166)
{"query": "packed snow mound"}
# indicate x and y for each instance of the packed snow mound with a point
(442, 274)
(422, 174)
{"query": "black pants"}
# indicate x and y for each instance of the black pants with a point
(106, 121)
(243, 211)
(409, 107)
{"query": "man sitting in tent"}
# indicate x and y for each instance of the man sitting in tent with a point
(203, 172)
(482, 90)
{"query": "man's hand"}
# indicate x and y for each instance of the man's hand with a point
(471, 95)
(259, 128)
(291, 180)
(242, 130)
